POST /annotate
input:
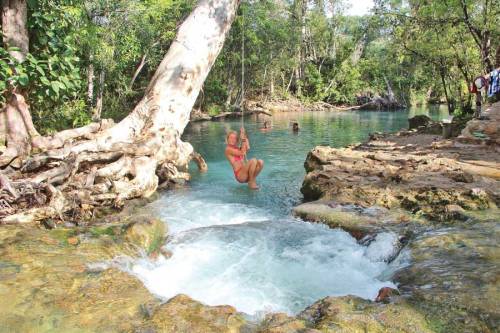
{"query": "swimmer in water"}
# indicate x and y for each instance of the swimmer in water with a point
(266, 127)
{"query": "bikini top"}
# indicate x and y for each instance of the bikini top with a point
(236, 158)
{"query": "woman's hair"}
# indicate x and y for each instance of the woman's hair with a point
(229, 133)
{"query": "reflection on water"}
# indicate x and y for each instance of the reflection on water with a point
(435, 112)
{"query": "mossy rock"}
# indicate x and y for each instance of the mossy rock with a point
(350, 314)
(182, 314)
(148, 234)
(335, 217)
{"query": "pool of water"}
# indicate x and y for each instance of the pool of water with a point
(239, 247)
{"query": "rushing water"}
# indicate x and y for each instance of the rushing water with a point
(234, 246)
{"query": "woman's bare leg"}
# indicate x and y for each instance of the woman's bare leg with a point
(252, 168)
(260, 166)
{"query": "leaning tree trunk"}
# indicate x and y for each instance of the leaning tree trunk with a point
(128, 159)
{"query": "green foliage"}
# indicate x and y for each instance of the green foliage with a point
(214, 109)
(50, 76)
(424, 51)
(69, 36)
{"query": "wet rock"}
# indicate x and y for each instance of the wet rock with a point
(166, 253)
(198, 115)
(359, 221)
(49, 223)
(453, 276)
(147, 233)
(73, 241)
(385, 294)
(282, 323)
(181, 314)
(455, 212)
(419, 121)
(336, 217)
(462, 177)
(53, 287)
(147, 309)
(353, 314)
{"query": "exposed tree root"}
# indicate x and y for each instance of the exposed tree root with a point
(70, 174)
(200, 162)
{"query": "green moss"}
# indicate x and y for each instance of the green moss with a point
(62, 235)
(157, 241)
(101, 231)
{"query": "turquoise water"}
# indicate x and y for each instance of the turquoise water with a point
(234, 246)
(283, 151)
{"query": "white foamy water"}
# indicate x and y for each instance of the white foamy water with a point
(234, 254)
(185, 211)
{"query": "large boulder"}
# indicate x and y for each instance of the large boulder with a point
(353, 314)
(182, 314)
(485, 129)
(356, 220)
(419, 121)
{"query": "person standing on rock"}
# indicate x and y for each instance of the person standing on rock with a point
(244, 171)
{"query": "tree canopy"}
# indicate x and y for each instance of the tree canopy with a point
(94, 58)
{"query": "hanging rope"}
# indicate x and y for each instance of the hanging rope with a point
(242, 106)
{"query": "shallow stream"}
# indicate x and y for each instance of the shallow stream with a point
(239, 247)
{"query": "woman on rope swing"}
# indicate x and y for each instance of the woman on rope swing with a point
(244, 171)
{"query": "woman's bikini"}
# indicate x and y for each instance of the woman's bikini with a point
(237, 159)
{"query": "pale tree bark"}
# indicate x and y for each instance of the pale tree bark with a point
(390, 93)
(90, 83)
(300, 11)
(358, 51)
(271, 84)
(131, 158)
(137, 71)
(97, 111)
(14, 28)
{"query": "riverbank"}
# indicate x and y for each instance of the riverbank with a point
(268, 107)
(441, 196)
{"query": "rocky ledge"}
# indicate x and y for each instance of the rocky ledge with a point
(441, 196)
(420, 173)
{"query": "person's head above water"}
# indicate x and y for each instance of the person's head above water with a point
(232, 138)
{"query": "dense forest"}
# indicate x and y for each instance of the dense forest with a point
(94, 58)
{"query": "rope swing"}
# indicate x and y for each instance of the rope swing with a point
(242, 67)
(242, 105)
